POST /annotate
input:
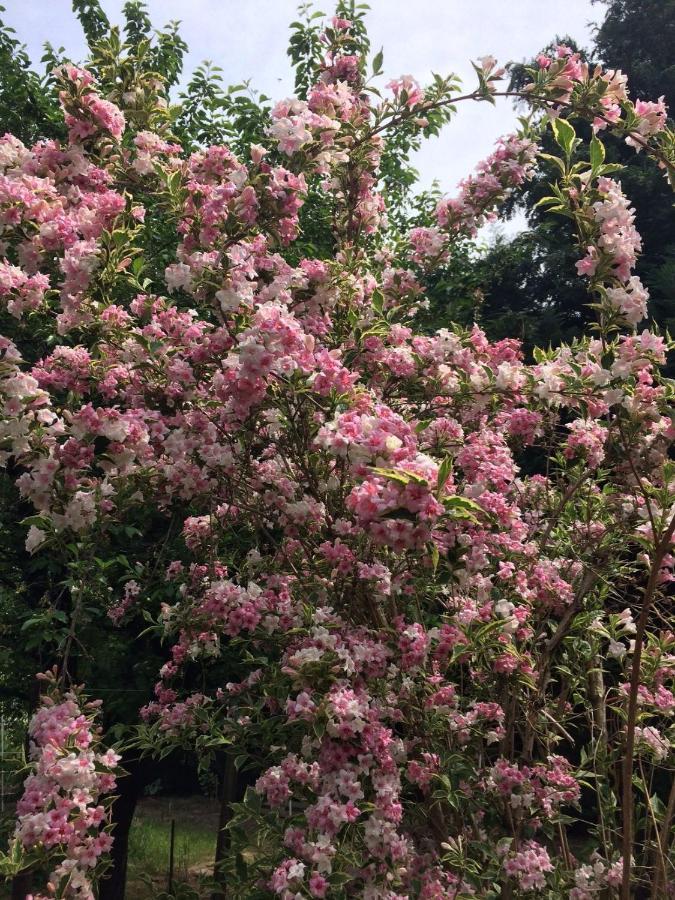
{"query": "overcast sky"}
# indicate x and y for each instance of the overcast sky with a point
(248, 38)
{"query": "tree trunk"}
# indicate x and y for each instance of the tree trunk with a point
(129, 789)
(230, 792)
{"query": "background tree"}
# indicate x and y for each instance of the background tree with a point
(28, 108)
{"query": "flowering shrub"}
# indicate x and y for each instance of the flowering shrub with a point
(61, 816)
(435, 572)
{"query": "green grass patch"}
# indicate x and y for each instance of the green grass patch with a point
(150, 839)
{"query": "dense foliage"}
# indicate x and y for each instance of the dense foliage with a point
(413, 585)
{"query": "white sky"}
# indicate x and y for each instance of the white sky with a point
(248, 39)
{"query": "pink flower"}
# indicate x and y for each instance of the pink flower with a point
(406, 87)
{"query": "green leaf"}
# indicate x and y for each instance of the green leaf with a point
(319, 727)
(444, 471)
(399, 475)
(461, 507)
(377, 62)
(547, 201)
(597, 153)
(31, 623)
(564, 134)
(435, 557)
(252, 800)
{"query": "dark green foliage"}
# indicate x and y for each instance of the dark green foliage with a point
(166, 56)
(535, 293)
(138, 26)
(28, 108)
(92, 18)
(210, 113)
(638, 36)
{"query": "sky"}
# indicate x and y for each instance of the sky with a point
(248, 39)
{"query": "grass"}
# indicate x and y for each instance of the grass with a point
(149, 843)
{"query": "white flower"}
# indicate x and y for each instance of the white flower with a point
(35, 538)
(504, 608)
(229, 300)
(616, 650)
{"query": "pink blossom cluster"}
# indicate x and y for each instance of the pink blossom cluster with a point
(117, 611)
(615, 254)
(87, 114)
(21, 292)
(528, 866)
(652, 116)
(61, 817)
(55, 204)
(507, 167)
(407, 90)
(323, 128)
(563, 72)
(534, 790)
